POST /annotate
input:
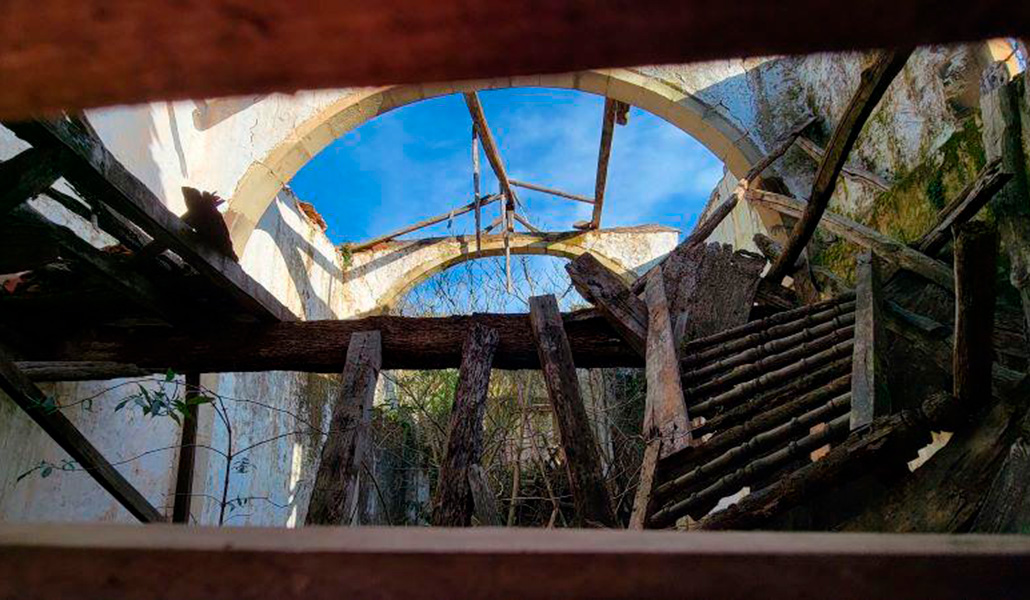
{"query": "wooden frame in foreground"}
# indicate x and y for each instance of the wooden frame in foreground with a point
(119, 562)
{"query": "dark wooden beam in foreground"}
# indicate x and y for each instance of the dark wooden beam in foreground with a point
(454, 503)
(97, 174)
(310, 44)
(182, 499)
(118, 562)
(27, 175)
(31, 400)
(976, 257)
(335, 495)
(876, 78)
(586, 479)
(320, 346)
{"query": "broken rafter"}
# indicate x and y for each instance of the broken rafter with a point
(471, 206)
(525, 222)
(870, 395)
(553, 192)
(33, 401)
(626, 313)
(975, 196)
(885, 247)
(98, 175)
(604, 153)
(27, 175)
(475, 188)
(665, 412)
(873, 85)
(817, 153)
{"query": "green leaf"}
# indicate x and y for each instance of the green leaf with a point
(175, 418)
(122, 404)
(169, 375)
(47, 470)
(197, 400)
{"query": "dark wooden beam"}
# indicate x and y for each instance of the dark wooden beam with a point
(274, 48)
(183, 497)
(665, 411)
(976, 257)
(335, 494)
(475, 188)
(855, 172)
(320, 346)
(623, 310)
(870, 395)
(471, 206)
(488, 514)
(875, 80)
(119, 562)
(31, 399)
(604, 154)
(975, 196)
(453, 502)
(97, 174)
(551, 191)
(586, 479)
(27, 175)
(883, 246)
(493, 153)
(643, 500)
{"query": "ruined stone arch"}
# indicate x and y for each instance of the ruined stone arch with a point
(257, 188)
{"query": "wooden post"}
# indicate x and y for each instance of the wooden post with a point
(644, 499)
(334, 499)
(586, 479)
(31, 400)
(604, 154)
(453, 502)
(874, 83)
(483, 499)
(187, 454)
(475, 187)
(626, 313)
(976, 255)
(27, 175)
(665, 412)
(870, 395)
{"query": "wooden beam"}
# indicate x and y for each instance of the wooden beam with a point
(119, 562)
(1006, 508)
(335, 494)
(312, 45)
(27, 175)
(804, 281)
(875, 80)
(976, 257)
(870, 395)
(975, 196)
(453, 502)
(183, 497)
(623, 310)
(604, 154)
(817, 154)
(320, 346)
(525, 222)
(586, 479)
(493, 153)
(883, 246)
(96, 173)
(471, 206)
(665, 411)
(32, 400)
(551, 191)
(643, 500)
(483, 499)
(475, 188)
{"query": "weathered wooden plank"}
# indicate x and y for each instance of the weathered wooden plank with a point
(27, 175)
(475, 188)
(870, 394)
(453, 502)
(335, 494)
(1006, 509)
(604, 154)
(644, 497)
(96, 173)
(976, 257)
(31, 400)
(493, 153)
(586, 480)
(804, 281)
(471, 206)
(665, 411)
(963, 208)
(875, 80)
(483, 499)
(623, 310)
(551, 191)
(320, 346)
(119, 562)
(855, 172)
(182, 498)
(885, 247)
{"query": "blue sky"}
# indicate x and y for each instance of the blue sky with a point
(414, 162)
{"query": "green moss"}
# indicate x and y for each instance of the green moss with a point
(935, 190)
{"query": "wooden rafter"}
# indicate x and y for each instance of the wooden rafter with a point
(855, 172)
(551, 191)
(471, 206)
(27, 175)
(976, 257)
(32, 400)
(475, 189)
(975, 196)
(874, 82)
(183, 497)
(870, 395)
(95, 172)
(604, 154)
(623, 310)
